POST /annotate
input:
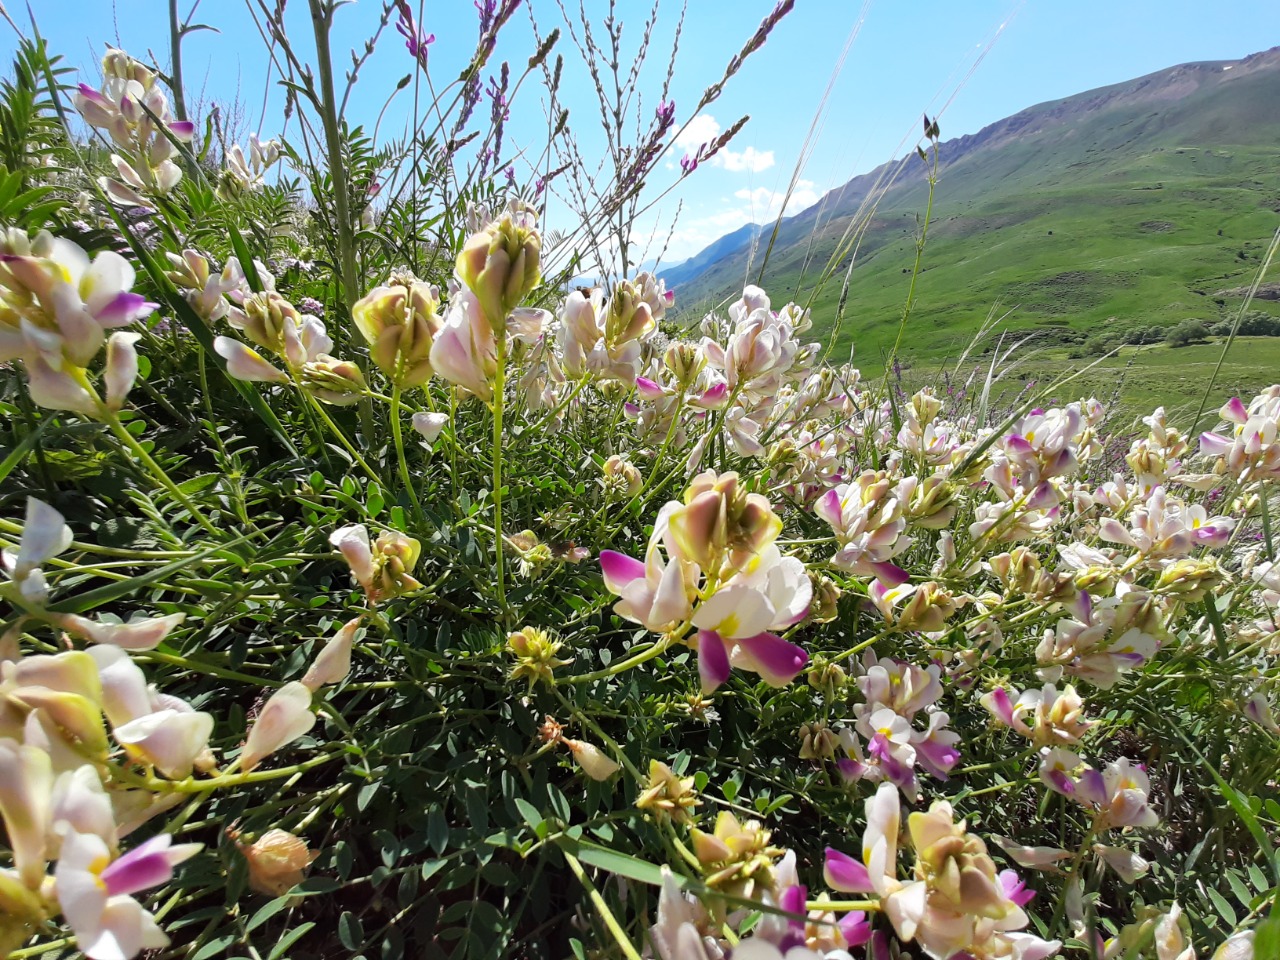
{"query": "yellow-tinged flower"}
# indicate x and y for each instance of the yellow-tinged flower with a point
(535, 652)
(277, 861)
(668, 795)
(594, 763)
(339, 382)
(736, 858)
(501, 264)
(400, 322)
(961, 875)
(721, 525)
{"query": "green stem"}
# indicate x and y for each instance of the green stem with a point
(614, 669)
(1266, 523)
(139, 451)
(499, 396)
(915, 272)
(321, 21)
(398, 439)
(610, 921)
(342, 437)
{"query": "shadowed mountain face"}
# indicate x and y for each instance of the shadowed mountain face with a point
(1136, 204)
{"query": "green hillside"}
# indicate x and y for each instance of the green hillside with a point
(1137, 205)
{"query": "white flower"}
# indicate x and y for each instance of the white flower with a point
(44, 536)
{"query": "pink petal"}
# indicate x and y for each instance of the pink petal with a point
(777, 661)
(828, 507)
(143, 867)
(1234, 410)
(890, 574)
(619, 570)
(1213, 445)
(713, 660)
(997, 701)
(1015, 889)
(937, 758)
(648, 389)
(842, 872)
(1091, 787)
(183, 130)
(855, 928)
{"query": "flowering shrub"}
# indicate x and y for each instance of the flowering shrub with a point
(623, 644)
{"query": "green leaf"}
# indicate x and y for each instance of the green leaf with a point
(529, 812)
(19, 453)
(288, 940)
(350, 930)
(214, 947)
(266, 912)
(113, 591)
(620, 864)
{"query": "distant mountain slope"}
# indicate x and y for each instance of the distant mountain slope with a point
(1132, 205)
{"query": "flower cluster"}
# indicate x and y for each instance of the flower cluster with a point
(56, 308)
(712, 565)
(955, 902)
(241, 176)
(90, 753)
(131, 107)
(894, 694)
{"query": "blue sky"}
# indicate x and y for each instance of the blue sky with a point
(981, 60)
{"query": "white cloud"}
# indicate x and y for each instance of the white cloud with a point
(760, 205)
(701, 129)
(704, 128)
(750, 159)
(766, 202)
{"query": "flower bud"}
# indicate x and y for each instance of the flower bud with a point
(593, 762)
(737, 858)
(621, 477)
(1188, 578)
(338, 382)
(925, 406)
(826, 599)
(535, 652)
(501, 264)
(817, 741)
(720, 523)
(172, 740)
(285, 717)
(395, 557)
(826, 676)
(334, 661)
(430, 425)
(629, 318)
(400, 323)
(684, 361)
(121, 369)
(667, 795)
(263, 318)
(928, 608)
(277, 862)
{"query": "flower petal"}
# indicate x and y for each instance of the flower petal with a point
(713, 660)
